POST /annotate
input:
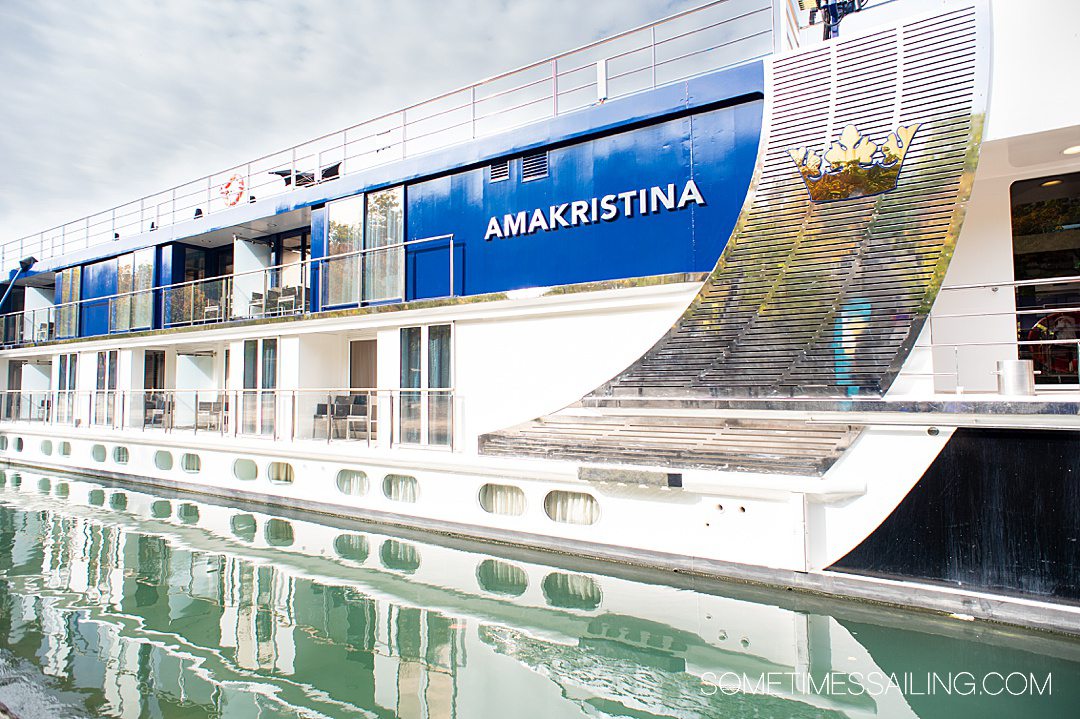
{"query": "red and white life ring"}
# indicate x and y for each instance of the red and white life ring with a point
(233, 190)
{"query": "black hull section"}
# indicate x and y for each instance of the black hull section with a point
(997, 511)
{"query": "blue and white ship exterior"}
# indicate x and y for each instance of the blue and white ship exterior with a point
(712, 294)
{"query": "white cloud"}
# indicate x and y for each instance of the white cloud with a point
(105, 102)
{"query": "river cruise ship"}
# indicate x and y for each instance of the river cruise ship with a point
(714, 294)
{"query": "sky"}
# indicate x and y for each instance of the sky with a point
(101, 103)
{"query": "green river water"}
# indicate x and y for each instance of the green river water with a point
(125, 602)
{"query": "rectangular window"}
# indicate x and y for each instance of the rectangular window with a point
(67, 314)
(105, 388)
(439, 402)
(411, 379)
(65, 384)
(341, 268)
(426, 413)
(384, 257)
(1046, 258)
(260, 386)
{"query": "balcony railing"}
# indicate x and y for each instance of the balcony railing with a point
(366, 276)
(408, 417)
(711, 37)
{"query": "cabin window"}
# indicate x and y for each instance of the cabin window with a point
(133, 307)
(260, 387)
(163, 460)
(98, 452)
(426, 411)
(534, 166)
(280, 472)
(105, 395)
(384, 257)
(365, 258)
(65, 396)
(352, 481)
(191, 463)
(67, 312)
(400, 488)
(571, 507)
(502, 499)
(121, 454)
(46, 447)
(245, 470)
(1046, 263)
(341, 268)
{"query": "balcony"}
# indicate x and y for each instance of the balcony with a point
(379, 275)
(352, 416)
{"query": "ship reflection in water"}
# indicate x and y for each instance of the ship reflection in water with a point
(118, 602)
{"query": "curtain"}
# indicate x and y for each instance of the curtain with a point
(502, 499)
(572, 507)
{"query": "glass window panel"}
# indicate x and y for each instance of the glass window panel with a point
(1046, 247)
(345, 231)
(142, 311)
(438, 377)
(125, 283)
(410, 378)
(384, 228)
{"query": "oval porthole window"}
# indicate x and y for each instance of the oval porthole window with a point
(352, 481)
(191, 463)
(62, 490)
(502, 499)
(18, 444)
(280, 472)
(400, 488)
(571, 507)
(96, 497)
(161, 509)
(65, 449)
(163, 460)
(245, 469)
(46, 447)
(118, 501)
(3, 442)
(44, 485)
(98, 452)
(121, 455)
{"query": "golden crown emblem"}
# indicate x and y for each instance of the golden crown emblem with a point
(855, 166)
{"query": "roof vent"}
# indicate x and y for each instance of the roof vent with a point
(499, 171)
(534, 167)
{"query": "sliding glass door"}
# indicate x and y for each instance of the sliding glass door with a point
(260, 387)
(426, 399)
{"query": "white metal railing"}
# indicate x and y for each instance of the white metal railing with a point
(1054, 350)
(716, 35)
(404, 416)
(369, 275)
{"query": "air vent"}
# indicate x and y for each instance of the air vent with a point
(534, 167)
(499, 171)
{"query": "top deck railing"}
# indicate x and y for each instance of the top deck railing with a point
(718, 34)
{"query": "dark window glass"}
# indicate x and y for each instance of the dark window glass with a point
(1046, 263)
